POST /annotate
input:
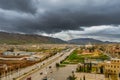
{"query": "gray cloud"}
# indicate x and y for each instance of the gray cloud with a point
(53, 16)
(19, 5)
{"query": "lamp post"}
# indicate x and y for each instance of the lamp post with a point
(73, 76)
(72, 72)
(10, 72)
(19, 70)
(46, 74)
(84, 77)
(6, 68)
(0, 76)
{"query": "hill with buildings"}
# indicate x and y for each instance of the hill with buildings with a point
(15, 38)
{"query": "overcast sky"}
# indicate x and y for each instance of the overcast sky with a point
(64, 19)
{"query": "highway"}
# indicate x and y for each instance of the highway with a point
(35, 70)
(45, 69)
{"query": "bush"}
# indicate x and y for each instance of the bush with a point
(57, 64)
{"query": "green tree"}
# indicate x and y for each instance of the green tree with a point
(84, 77)
(90, 66)
(57, 64)
(101, 69)
(71, 77)
(80, 78)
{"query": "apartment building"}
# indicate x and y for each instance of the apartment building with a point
(112, 67)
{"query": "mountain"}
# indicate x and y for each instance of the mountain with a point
(16, 38)
(83, 41)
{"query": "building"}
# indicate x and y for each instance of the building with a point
(3, 67)
(112, 67)
(89, 45)
(18, 53)
(113, 50)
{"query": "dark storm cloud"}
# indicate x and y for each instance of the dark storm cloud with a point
(53, 16)
(19, 5)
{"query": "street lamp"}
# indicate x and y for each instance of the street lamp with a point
(73, 76)
(46, 74)
(72, 72)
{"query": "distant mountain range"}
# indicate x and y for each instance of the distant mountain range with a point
(15, 38)
(83, 41)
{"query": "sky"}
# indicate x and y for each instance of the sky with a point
(64, 19)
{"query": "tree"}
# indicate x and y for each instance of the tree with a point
(101, 69)
(80, 78)
(84, 68)
(57, 64)
(90, 68)
(71, 77)
(84, 77)
(80, 69)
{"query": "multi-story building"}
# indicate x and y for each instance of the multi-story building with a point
(18, 53)
(113, 50)
(112, 67)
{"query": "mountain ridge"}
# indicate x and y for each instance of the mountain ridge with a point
(17, 38)
(84, 41)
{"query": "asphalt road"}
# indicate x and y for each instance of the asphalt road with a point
(61, 73)
(35, 70)
(44, 70)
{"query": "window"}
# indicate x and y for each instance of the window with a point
(117, 66)
(111, 71)
(111, 66)
(114, 71)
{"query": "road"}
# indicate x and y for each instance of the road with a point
(44, 69)
(31, 71)
(61, 73)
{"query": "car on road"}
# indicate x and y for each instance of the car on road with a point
(45, 78)
(29, 78)
(41, 73)
(50, 66)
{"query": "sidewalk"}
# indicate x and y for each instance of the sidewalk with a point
(89, 76)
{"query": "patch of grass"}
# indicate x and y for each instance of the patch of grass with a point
(74, 58)
(93, 69)
(79, 58)
(65, 62)
(101, 57)
(62, 65)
